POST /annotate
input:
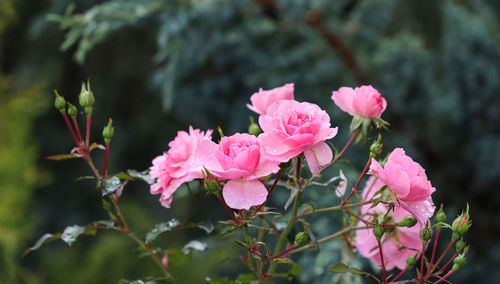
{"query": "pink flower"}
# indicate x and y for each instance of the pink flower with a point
(397, 245)
(291, 128)
(264, 98)
(364, 101)
(408, 181)
(179, 165)
(238, 158)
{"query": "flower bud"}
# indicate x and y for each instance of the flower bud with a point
(72, 111)
(60, 102)
(378, 231)
(408, 221)
(254, 128)
(209, 183)
(440, 217)
(86, 98)
(108, 132)
(411, 261)
(300, 239)
(460, 245)
(462, 223)
(459, 262)
(425, 235)
(376, 147)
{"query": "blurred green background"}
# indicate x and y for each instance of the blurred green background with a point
(159, 66)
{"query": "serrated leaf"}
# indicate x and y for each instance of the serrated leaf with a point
(110, 185)
(342, 268)
(41, 241)
(71, 233)
(144, 176)
(60, 157)
(194, 245)
(159, 229)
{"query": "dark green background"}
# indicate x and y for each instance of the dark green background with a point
(159, 66)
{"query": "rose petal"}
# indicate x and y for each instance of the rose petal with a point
(241, 194)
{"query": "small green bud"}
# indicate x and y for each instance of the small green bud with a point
(209, 183)
(460, 245)
(376, 147)
(408, 221)
(378, 231)
(72, 111)
(411, 261)
(86, 98)
(108, 132)
(459, 262)
(440, 215)
(455, 236)
(60, 102)
(254, 129)
(425, 235)
(300, 239)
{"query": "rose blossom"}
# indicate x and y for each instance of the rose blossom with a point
(291, 128)
(238, 158)
(397, 245)
(408, 181)
(264, 98)
(179, 165)
(363, 101)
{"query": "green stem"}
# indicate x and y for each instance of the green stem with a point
(283, 236)
(151, 253)
(334, 208)
(327, 238)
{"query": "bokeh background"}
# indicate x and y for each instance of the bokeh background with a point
(157, 67)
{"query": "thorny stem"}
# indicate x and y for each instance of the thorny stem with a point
(382, 261)
(70, 128)
(75, 123)
(444, 277)
(341, 153)
(399, 275)
(87, 134)
(278, 176)
(355, 188)
(105, 168)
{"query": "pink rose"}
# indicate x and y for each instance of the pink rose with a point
(179, 165)
(363, 101)
(291, 128)
(408, 181)
(398, 245)
(264, 98)
(238, 158)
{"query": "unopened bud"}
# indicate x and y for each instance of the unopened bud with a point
(440, 217)
(408, 221)
(378, 231)
(60, 102)
(375, 147)
(300, 239)
(209, 183)
(459, 262)
(411, 261)
(86, 98)
(460, 245)
(108, 132)
(425, 235)
(72, 111)
(254, 129)
(461, 224)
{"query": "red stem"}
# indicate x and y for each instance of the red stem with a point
(278, 176)
(87, 134)
(450, 244)
(75, 123)
(444, 277)
(448, 263)
(68, 124)
(227, 208)
(355, 188)
(105, 168)
(435, 245)
(399, 275)
(382, 261)
(422, 256)
(341, 153)
(284, 252)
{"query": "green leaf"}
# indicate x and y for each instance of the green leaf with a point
(144, 176)
(159, 229)
(229, 231)
(60, 157)
(110, 185)
(41, 241)
(342, 268)
(71, 233)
